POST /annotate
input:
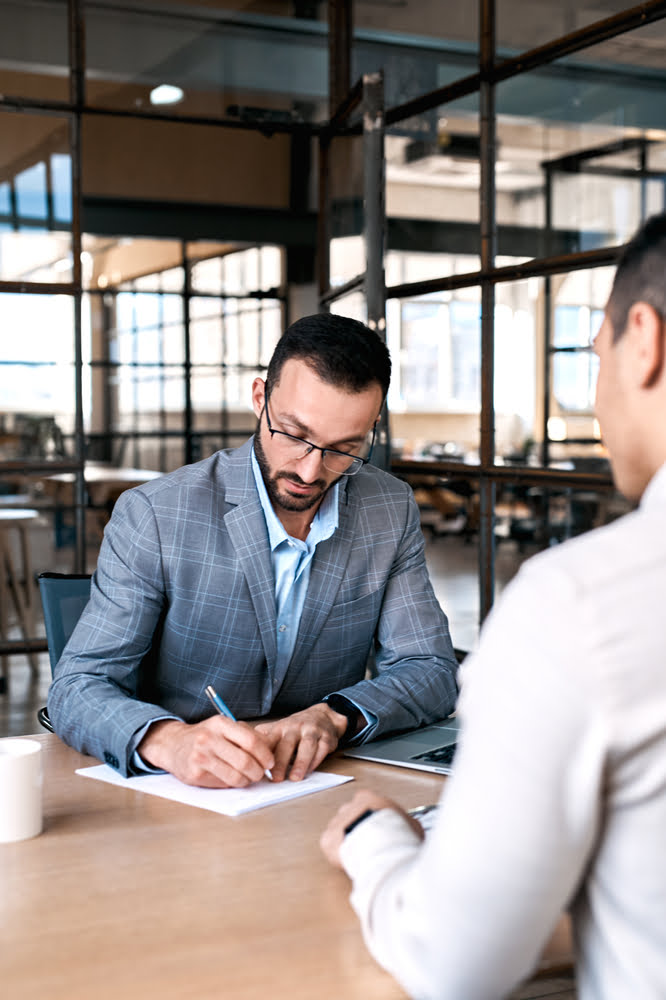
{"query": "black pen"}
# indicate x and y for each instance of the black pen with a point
(225, 710)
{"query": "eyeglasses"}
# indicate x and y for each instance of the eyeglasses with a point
(335, 461)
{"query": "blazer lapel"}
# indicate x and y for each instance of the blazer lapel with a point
(246, 526)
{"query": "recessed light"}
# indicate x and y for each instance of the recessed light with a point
(166, 94)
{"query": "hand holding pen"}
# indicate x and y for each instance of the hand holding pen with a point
(224, 710)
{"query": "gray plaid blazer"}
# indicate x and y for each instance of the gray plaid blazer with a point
(183, 596)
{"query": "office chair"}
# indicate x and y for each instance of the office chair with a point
(64, 596)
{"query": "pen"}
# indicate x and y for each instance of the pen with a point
(225, 710)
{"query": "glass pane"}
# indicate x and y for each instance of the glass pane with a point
(129, 263)
(418, 53)
(574, 381)
(208, 395)
(577, 316)
(35, 199)
(206, 331)
(391, 22)
(271, 268)
(206, 276)
(172, 279)
(30, 188)
(256, 268)
(548, 320)
(432, 174)
(641, 48)
(271, 330)
(153, 451)
(353, 305)
(434, 397)
(145, 391)
(569, 155)
(34, 51)
(522, 26)
(37, 374)
(222, 65)
(517, 372)
(249, 334)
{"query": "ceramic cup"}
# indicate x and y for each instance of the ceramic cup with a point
(20, 789)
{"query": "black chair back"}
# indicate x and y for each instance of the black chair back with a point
(64, 596)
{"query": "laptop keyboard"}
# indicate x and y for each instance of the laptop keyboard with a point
(441, 755)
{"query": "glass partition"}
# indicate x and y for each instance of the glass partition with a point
(205, 63)
(36, 375)
(35, 199)
(34, 49)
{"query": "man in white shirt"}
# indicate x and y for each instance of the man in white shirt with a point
(558, 797)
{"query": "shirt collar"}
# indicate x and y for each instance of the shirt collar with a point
(324, 523)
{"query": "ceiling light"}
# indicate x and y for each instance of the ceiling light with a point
(166, 94)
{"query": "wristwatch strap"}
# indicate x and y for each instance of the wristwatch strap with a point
(359, 819)
(340, 704)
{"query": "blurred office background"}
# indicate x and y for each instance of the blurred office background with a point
(178, 181)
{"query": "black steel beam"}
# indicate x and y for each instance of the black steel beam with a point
(595, 33)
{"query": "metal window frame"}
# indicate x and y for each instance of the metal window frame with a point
(491, 72)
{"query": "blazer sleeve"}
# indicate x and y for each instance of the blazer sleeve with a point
(415, 666)
(94, 700)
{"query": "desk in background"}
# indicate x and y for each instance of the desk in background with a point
(128, 895)
(104, 484)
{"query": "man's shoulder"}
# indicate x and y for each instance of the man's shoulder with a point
(372, 482)
(209, 475)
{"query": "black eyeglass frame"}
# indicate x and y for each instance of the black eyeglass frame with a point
(356, 462)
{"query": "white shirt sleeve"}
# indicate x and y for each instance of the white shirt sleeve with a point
(467, 913)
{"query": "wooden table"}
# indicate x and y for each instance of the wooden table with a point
(104, 484)
(127, 895)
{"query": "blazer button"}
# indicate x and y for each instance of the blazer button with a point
(111, 760)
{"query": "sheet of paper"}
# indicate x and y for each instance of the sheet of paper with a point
(228, 801)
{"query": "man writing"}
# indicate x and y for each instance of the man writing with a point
(558, 796)
(271, 572)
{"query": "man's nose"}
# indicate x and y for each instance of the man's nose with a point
(309, 466)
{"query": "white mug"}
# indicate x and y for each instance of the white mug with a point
(20, 789)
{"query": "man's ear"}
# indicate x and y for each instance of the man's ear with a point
(645, 329)
(258, 396)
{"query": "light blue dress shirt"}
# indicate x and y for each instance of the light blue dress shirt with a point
(292, 561)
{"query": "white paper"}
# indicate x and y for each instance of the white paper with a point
(228, 801)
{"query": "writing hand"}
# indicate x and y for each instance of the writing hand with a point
(302, 740)
(215, 753)
(334, 834)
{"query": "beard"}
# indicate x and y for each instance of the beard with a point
(282, 500)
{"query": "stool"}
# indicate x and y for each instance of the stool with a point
(17, 584)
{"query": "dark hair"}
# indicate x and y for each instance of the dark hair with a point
(342, 351)
(640, 275)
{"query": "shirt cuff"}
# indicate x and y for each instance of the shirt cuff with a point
(377, 844)
(137, 764)
(371, 720)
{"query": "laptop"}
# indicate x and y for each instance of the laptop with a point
(430, 748)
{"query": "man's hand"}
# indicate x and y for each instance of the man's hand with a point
(215, 753)
(303, 740)
(334, 834)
